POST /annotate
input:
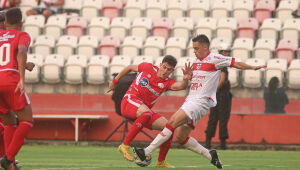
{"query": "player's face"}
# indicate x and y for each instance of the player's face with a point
(200, 49)
(164, 70)
(225, 53)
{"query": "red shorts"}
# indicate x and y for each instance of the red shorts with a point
(11, 100)
(130, 105)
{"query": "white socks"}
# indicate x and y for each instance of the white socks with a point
(161, 138)
(194, 146)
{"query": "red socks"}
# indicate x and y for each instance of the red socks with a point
(9, 132)
(18, 139)
(164, 148)
(137, 127)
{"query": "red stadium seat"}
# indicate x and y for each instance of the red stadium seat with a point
(77, 26)
(162, 27)
(111, 8)
(286, 49)
(247, 28)
(263, 10)
(109, 46)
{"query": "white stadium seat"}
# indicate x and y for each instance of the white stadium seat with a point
(87, 45)
(242, 48)
(96, 69)
(176, 9)
(99, 27)
(141, 26)
(183, 27)
(285, 9)
(242, 9)
(155, 9)
(226, 28)
(71, 5)
(293, 75)
(55, 25)
(119, 27)
(131, 46)
(74, 69)
(270, 28)
(234, 75)
(117, 64)
(158, 61)
(140, 59)
(154, 46)
(215, 43)
(253, 78)
(290, 29)
(221, 8)
(134, 9)
(91, 8)
(175, 47)
(198, 9)
(66, 45)
(264, 49)
(52, 68)
(34, 25)
(275, 67)
(34, 75)
(44, 45)
(206, 26)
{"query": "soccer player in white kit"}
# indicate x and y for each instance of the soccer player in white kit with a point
(202, 96)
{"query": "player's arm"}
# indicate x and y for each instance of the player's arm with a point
(244, 66)
(22, 57)
(187, 75)
(222, 80)
(125, 71)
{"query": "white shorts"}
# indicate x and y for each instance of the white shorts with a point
(195, 109)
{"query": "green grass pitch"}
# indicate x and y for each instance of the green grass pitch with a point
(98, 157)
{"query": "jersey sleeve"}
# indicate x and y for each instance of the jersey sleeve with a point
(221, 61)
(171, 82)
(24, 39)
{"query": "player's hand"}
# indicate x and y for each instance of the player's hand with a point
(187, 71)
(20, 86)
(111, 86)
(30, 66)
(259, 67)
(47, 4)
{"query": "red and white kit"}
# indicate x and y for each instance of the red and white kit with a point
(206, 75)
(9, 74)
(145, 89)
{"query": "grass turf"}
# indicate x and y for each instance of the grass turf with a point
(98, 157)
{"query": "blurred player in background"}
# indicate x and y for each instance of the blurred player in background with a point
(6, 4)
(202, 95)
(136, 105)
(221, 111)
(14, 46)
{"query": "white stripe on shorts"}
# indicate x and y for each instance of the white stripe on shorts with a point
(27, 98)
(132, 102)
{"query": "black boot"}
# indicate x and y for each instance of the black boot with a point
(207, 143)
(223, 144)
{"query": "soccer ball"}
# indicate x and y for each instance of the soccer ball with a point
(144, 163)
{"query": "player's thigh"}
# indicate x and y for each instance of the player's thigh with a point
(182, 133)
(159, 123)
(132, 107)
(9, 118)
(178, 118)
(25, 114)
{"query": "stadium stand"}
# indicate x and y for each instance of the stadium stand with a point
(87, 46)
(140, 59)
(286, 49)
(74, 69)
(99, 27)
(154, 46)
(264, 49)
(161, 27)
(206, 26)
(285, 9)
(275, 67)
(52, 68)
(117, 64)
(109, 46)
(66, 46)
(183, 27)
(198, 9)
(141, 27)
(97, 69)
(155, 9)
(175, 47)
(221, 8)
(131, 46)
(290, 29)
(242, 9)
(34, 75)
(44, 45)
(77, 26)
(91, 9)
(215, 43)
(242, 48)
(252, 78)
(34, 25)
(72, 5)
(226, 28)
(176, 9)
(55, 26)
(234, 75)
(263, 10)
(111, 8)
(270, 28)
(293, 75)
(119, 27)
(247, 28)
(134, 9)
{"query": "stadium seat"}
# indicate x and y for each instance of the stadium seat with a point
(117, 64)
(175, 46)
(140, 59)
(263, 10)
(27, 5)
(215, 43)
(66, 45)
(293, 75)
(90, 8)
(99, 27)
(52, 68)
(253, 78)
(44, 45)
(155, 9)
(140, 27)
(181, 64)
(74, 69)
(290, 29)
(72, 5)
(285, 9)
(198, 9)
(111, 8)
(134, 9)
(96, 69)
(119, 27)
(206, 26)
(247, 28)
(264, 49)
(109, 46)
(162, 27)
(153, 46)
(77, 26)
(275, 67)
(242, 48)
(270, 28)
(34, 25)
(131, 46)
(158, 61)
(234, 75)
(226, 28)
(87, 46)
(190, 49)
(183, 27)
(34, 75)
(242, 9)
(55, 26)
(221, 8)
(286, 49)
(176, 9)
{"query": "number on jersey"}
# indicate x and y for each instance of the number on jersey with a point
(4, 58)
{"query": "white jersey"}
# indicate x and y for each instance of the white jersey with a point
(206, 75)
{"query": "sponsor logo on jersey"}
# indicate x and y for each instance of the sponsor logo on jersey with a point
(198, 66)
(5, 37)
(144, 82)
(160, 85)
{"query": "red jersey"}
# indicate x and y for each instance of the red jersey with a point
(9, 41)
(147, 86)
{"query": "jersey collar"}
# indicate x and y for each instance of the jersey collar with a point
(205, 56)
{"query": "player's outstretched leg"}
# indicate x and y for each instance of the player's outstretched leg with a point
(215, 159)
(164, 148)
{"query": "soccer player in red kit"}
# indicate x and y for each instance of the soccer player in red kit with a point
(13, 54)
(136, 105)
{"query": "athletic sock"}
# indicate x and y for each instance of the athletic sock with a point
(9, 132)
(2, 147)
(164, 148)
(191, 144)
(137, 126)
(162, 137)
(18, 139)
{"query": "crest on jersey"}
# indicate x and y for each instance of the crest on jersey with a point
(198, 66)
(160, 85)
(149, 76)
(144, 82)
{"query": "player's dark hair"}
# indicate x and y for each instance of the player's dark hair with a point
(13, 16)
(201, 39)
(2, 16)
(170, 60)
